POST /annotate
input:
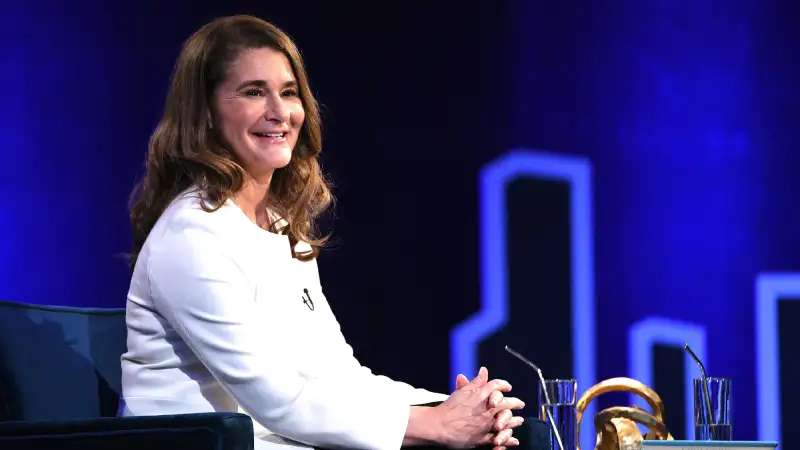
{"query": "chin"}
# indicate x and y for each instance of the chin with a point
(283, 159)
(277, 158)
(281, 164)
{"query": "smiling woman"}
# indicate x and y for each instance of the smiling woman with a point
(225, 310)
(259, 112)
(237, 77)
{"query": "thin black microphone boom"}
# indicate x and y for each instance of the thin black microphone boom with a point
(544, 391)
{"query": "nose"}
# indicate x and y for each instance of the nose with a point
(277, 109)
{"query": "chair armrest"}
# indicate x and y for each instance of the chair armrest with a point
(203, 431)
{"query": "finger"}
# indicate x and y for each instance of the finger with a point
(511, 403)
(502, 437)
(499, 448)
(513, 442)
(487, 439)
(481, 378)
(495, 385)
(515, 422)
(502, 419)
(461, 381)
(495, 399)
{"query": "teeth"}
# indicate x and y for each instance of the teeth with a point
(272, 135)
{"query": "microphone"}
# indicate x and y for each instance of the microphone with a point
(544, 391)
(308, 302)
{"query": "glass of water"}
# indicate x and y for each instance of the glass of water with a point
(559, 405)
(712, 409)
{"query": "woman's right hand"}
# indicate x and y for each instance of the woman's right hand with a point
(468, 416)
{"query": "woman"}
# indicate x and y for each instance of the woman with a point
(225, 311)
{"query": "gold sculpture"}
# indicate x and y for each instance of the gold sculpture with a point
(616, 427)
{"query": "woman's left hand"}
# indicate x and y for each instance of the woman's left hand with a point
(505, 421)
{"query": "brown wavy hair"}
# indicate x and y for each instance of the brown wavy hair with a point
(184, 151)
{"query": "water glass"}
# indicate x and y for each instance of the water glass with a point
(712, 409)
(559, 405)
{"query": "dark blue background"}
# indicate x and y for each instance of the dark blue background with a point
(687, 112)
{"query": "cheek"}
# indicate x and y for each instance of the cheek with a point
(297, 116)
(296, 119)
(238, 118)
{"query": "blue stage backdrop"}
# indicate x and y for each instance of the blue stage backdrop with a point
(593, 186)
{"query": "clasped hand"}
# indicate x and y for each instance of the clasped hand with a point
(478, 414)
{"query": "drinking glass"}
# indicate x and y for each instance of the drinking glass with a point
(712, 409)
(560, 403)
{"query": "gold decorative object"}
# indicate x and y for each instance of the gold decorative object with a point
(616, 427)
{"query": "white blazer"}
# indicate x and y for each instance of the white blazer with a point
(221, 318)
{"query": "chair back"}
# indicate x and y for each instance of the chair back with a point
(59, 363)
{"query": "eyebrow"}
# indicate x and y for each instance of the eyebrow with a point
(263, 83)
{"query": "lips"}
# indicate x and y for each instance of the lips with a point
(271, 137)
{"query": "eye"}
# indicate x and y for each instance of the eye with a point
(290, 93)
(253, 93)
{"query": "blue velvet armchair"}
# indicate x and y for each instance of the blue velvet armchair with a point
(60, 387)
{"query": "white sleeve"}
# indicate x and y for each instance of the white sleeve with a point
(206, 297)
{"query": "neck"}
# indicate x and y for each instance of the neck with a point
(253, 200)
